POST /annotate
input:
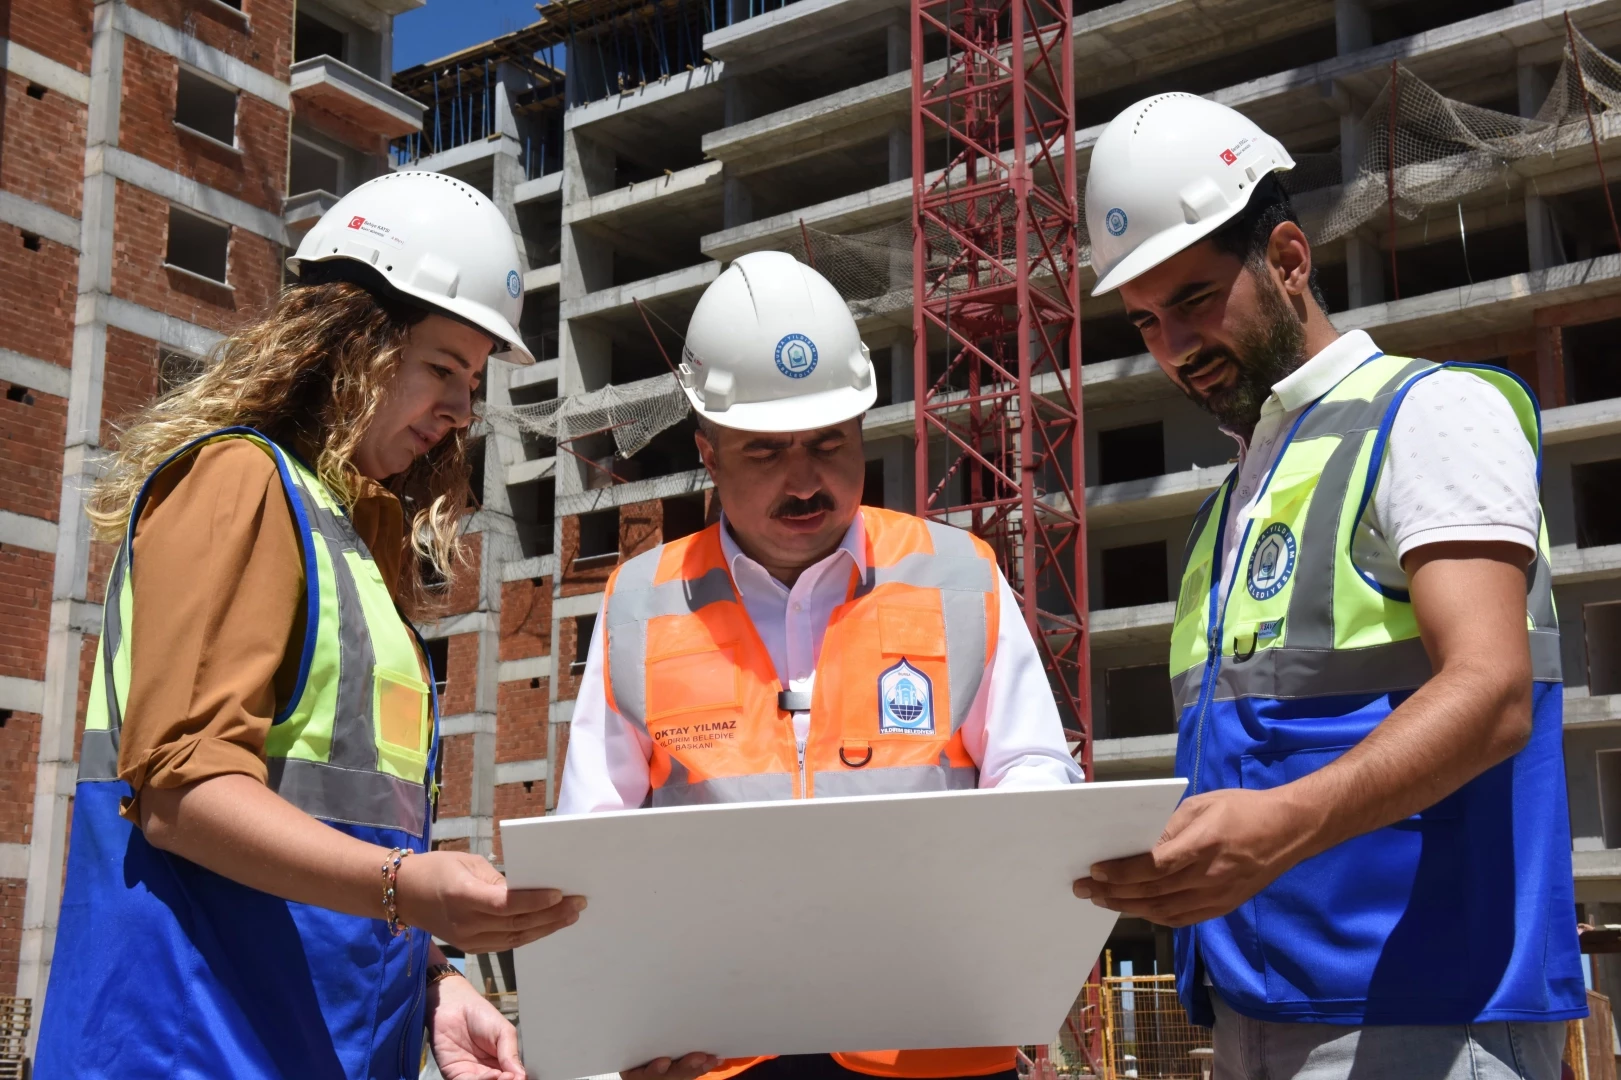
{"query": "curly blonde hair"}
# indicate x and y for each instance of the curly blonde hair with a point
(308, 376)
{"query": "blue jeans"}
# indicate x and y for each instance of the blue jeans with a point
(1249, 1049)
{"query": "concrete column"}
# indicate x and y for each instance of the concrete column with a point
(737, 201)
(898, 48)
(1541, 238)
(900, 372)
(898, 493)
(1364, 262)
(72, 617)
(1353, 27)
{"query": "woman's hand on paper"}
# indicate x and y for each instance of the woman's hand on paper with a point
(685, 1068)
(462, 899)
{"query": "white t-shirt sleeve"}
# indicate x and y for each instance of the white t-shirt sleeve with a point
(1013, 732)
(606, 767)
(1457, 467)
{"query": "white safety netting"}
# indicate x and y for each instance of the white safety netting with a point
(632, 413)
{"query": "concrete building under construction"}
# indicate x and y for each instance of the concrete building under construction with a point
(1447, 172)
(158, 157)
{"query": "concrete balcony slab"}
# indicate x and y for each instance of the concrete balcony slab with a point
(301, 212)
(618, 304)
(370, 106)
(687, 198)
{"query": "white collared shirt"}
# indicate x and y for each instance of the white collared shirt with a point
(1456, 468)
(1012, 731)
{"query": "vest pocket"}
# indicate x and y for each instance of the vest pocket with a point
(690, 681)
(911, 631)
(402, 712)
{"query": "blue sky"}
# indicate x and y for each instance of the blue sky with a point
(441, 27)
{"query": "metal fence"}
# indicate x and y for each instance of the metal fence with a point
(1146, 1033)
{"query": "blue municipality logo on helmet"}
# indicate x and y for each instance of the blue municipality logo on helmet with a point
(1116, 221)
(1272, 562)
(905, 701)
(796, 356)
(514, 284)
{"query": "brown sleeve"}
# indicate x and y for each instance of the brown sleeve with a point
(219, 593)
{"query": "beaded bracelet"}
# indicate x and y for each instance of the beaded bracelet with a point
(391, 874)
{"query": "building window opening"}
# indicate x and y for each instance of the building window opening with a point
(1602, 623)
(599, 540)
(176, 369)
(312, 37)
(1593, 361)
(584, 627)
(1135, 575)
(872, 484)
(309, 168)
(439, 660)
(1131, 453)
(31, 241)
(1598, 511)
(1137, 702)
(206, 107)
(683, 516)
(36, 91)
(197, 245)
(17, 392)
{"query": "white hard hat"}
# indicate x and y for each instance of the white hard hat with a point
(773, 347)
(1166, 173)
(434, 239)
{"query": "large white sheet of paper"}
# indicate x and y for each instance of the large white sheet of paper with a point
(884, 922)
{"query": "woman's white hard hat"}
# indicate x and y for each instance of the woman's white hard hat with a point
(773, 347)
(1165, 174)
(437, 241)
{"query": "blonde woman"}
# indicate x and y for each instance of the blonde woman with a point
(251, 890)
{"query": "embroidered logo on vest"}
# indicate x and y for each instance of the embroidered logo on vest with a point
(905, 701)
(1272, 562)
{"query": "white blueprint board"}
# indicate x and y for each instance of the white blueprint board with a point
(880, 922)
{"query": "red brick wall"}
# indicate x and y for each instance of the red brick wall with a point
(461, 675)
(31, 450)
(19, 749)
(518, 801)
(526, 618)
(455, 788)
(44, 146)
(522, 713)
(41, 288)
(59, 29)
(141, 240)
(129, 379)
(25, 611)
(263, 40)
(256, 174)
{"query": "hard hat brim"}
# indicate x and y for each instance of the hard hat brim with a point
(1159, 249)
(509, 345)
(808, 413)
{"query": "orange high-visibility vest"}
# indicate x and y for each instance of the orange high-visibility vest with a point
(900, 667)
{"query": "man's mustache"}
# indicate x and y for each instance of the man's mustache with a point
(796, 507)
(1204, 361)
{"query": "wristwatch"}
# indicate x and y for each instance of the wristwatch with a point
(441, 971)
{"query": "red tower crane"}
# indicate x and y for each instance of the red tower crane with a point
(996, 287)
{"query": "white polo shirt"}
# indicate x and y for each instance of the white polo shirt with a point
(1457, 466)
(1012, 732)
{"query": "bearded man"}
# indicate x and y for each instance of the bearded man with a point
(1371, 873)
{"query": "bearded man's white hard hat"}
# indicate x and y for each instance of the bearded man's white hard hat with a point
(773, 347)
(1165, 174)
(435, 240)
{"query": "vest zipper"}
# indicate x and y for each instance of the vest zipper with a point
(800, 743)
(416, 1002)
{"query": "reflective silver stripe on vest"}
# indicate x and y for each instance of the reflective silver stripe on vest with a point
(98, 756)
(899, 780)
(759, 787)
(354, 738)
(1310, 620)
(349, 796)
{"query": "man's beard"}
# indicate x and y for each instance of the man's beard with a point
(1266, 353)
